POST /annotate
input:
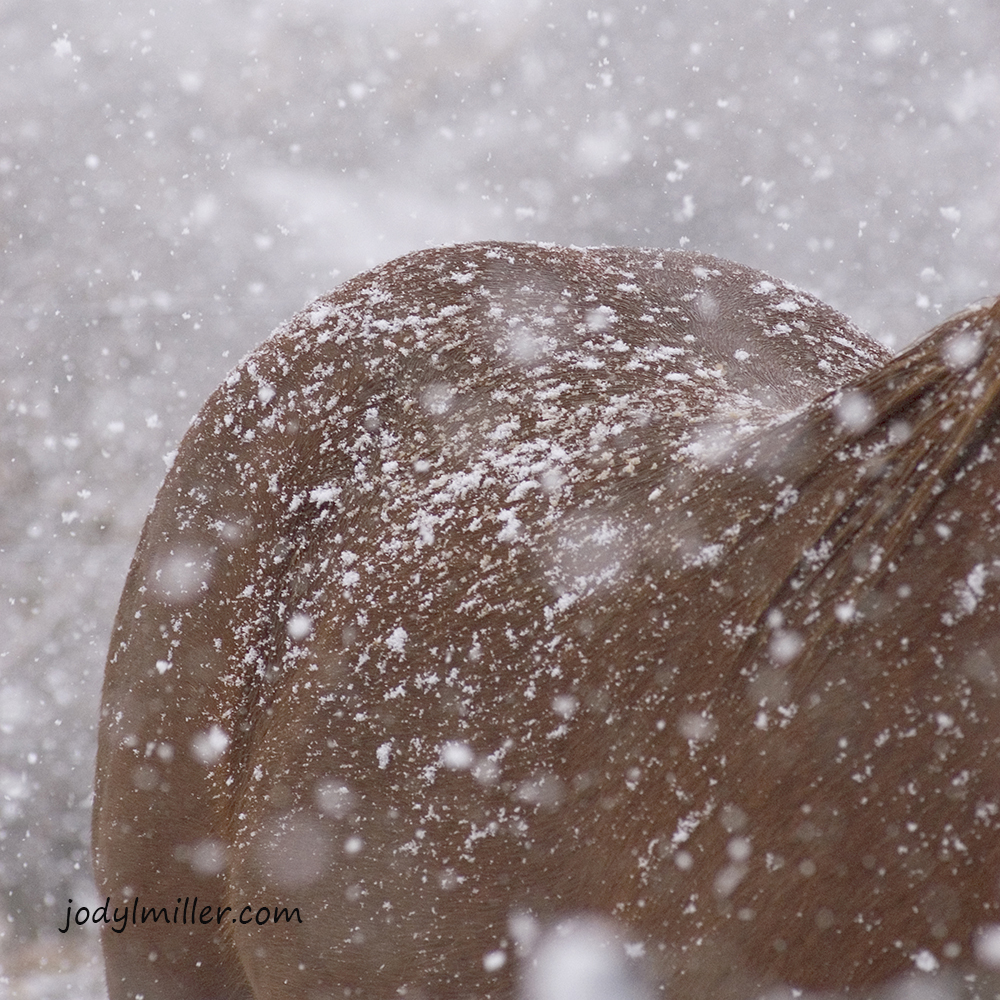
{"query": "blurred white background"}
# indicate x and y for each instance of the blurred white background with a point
(175, 179)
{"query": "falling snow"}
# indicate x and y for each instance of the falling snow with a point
(175, 181)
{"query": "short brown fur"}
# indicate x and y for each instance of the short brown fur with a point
(515, 580)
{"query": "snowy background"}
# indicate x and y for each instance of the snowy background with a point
(176, 179)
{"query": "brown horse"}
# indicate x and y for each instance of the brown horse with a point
(514, 584)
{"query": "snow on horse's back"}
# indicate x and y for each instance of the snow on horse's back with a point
(515, 602)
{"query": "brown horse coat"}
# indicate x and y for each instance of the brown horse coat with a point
(508, 583)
